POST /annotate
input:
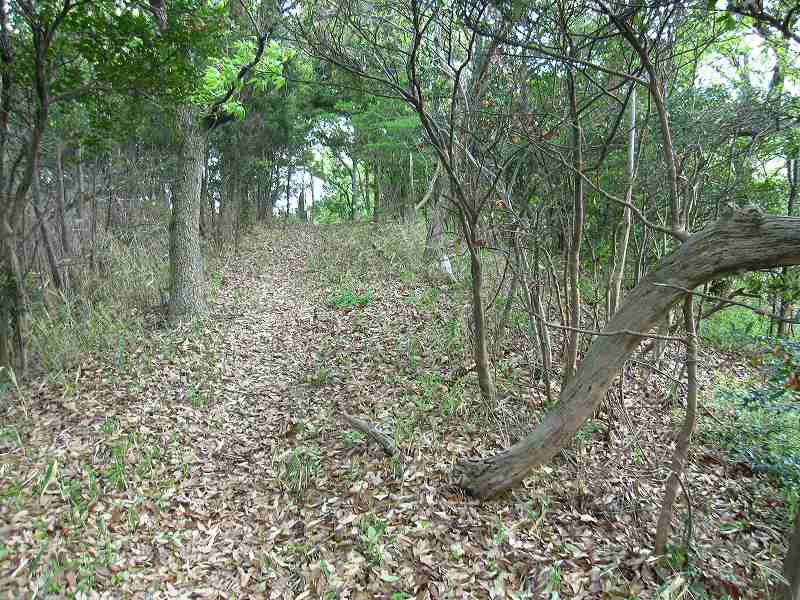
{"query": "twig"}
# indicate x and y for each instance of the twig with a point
(756, 310)
(654, 336)
(656, 369)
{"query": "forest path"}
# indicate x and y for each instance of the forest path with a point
(208, 460)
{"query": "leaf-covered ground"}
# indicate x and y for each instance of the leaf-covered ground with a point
(210, 461)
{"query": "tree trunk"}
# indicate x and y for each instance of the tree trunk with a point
(791, 565)
(14, 306)
(685, 436)
(229, 207)
(313, 195)
(504, 316)
(376, 205)
(93, 230)
(543, 335)
(79, 182)
(433, 239)
(615, 289)
(52, 262)
(481, 352)
(742, 240)
(188, 287)
(204, 224)
(353, 189)
(61, 201)
(793, 175)
(574, 255)
(301, 202)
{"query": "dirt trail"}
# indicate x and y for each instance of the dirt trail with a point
(207, 461)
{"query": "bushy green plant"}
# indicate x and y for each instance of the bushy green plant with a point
(300, 469)
(759, 427)
(344, 299)
(735, 328)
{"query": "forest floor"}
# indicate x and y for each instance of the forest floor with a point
(211, 461)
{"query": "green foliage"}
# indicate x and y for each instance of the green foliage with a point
(300, 468)
(780, 371)
(221, 74)
(352, 438)
(735, 328)
(372, 531)
(763, 435)
(348, 299)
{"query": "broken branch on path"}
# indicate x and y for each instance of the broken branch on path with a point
(383, 440)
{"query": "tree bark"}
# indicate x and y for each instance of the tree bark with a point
(615, 289)
(204, 206)
(230, 205)
(481, 351)
(574, 254)
(313, 196)
(79, 182)
(61, 201)
(793, 175)
(742, 240)
(353, 188)
(791, 565)
(301, 202)
(685, 436)
(52, 262)
(188, 286)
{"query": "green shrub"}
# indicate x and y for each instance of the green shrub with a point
(735, 328)
(350, 299)
(765, 435)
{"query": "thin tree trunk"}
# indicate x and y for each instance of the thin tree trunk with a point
(52, 262)
(79, 182)
(411, 202)
(742, 240)
(433, 237)
(204, 225)
(15, 306)
(61, 201)
(94, 215)
(313, 195)
(229, 208)
(504, 316)
(376, 206)
(289, 172)
(574, 254)
(545, 346)
(685, 436)
(622, 247)
(188, 286)
(353, 189)
(301, 201)
(481, 352)
(791, 565)
(793, 175)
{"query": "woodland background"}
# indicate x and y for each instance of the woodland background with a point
(418, 299)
